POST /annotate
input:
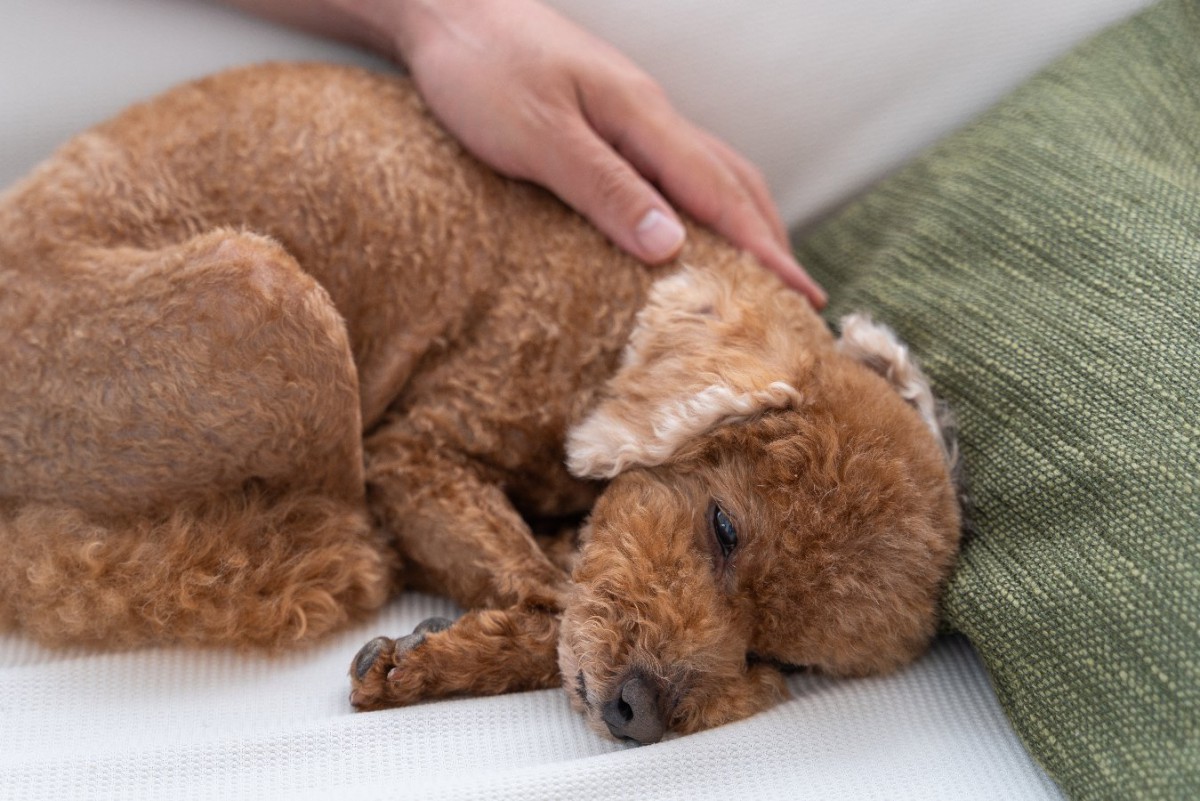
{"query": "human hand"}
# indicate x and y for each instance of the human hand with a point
(538, 98)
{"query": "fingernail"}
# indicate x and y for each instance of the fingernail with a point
(795, 275)
(818, 296)
(659, 235)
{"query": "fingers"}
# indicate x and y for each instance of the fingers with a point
(608, 188)
(537, 98)
(732, 197)
(752, 181)
(706, 178)
(599, 183)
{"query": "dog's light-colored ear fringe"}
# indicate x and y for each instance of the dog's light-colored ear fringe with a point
(607, 441)
(878, 347)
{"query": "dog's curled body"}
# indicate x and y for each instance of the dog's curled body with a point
(273, 346)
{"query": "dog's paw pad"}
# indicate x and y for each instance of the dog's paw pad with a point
(432, 625)
(368, 672)
(367, 655)
(386, 672)
(404, 647)
(408, 643)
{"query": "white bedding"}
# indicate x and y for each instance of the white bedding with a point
(177, 723)
(826, 95)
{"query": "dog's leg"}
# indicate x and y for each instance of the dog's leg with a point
(484, 652)
(460, 536)
(132, 379)
(458, 533)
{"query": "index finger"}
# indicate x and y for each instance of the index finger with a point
(721, 190)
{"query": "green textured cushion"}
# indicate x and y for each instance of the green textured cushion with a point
(1045, 266)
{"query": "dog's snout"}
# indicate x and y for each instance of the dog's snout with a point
(634, 712)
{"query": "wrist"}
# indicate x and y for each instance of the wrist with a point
(375, 23)
(397, 28)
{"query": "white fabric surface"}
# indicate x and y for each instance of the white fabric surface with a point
(825, 95)
(176, 723)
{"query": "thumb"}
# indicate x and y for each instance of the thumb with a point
(595, 180)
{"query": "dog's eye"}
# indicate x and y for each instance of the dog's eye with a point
(724, 530)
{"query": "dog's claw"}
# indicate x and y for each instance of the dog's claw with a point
(366, 657)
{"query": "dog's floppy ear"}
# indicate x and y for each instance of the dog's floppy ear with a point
(878, 347)
(695, 360)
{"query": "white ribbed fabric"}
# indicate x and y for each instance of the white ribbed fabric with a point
(205, 724)
(825, 95)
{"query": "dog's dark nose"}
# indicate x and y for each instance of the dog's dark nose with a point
(633, 713)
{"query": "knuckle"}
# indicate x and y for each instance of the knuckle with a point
(645, 89)
(738, 218)
(631, 93)
(725, 204)
(612, 183)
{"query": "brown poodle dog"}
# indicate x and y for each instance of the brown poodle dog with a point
(272, 346)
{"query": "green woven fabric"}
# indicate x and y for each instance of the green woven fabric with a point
(1045, 266)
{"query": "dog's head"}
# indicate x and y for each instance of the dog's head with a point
(778, 498)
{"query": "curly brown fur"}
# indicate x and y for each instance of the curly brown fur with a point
(245, 569)
(273, 345)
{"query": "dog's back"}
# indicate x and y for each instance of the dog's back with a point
(218, 291)
(347, 171)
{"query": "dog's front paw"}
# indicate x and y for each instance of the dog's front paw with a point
(377, 668)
